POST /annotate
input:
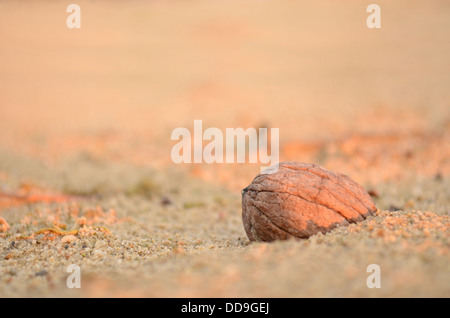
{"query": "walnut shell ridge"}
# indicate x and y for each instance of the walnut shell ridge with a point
(297, 200)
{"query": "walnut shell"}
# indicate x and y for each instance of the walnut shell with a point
(297, 200)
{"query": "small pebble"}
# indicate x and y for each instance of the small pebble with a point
(41, 273)
(166, 201)
(69, 239)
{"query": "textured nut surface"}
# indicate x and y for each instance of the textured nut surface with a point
(299, 200)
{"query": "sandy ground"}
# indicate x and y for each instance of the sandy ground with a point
(85, 123)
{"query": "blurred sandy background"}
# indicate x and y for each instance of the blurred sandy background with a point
(371, 103)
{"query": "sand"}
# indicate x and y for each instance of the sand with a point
(86, 176)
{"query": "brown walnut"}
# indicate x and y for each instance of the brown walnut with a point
(297, 200)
